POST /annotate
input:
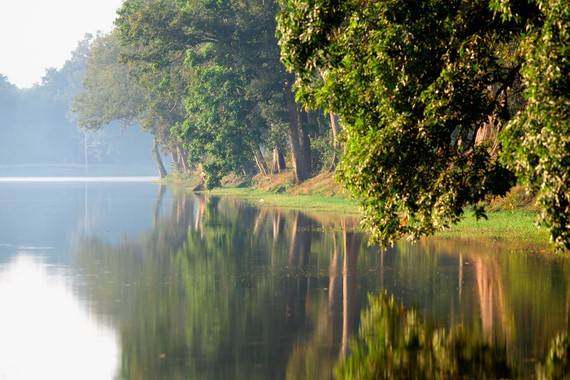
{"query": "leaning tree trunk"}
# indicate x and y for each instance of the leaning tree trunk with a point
(300, 165)
(183, 157)
(281, 161)
(278, 164)
(156, 152)
(260, 161)
(176, 159)
(335, 127)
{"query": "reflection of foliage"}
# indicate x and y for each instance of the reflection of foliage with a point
(395, 344)
(220, 289)
(525, 310)
(190, 297)
(557, 363)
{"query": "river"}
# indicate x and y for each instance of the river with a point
(128, 280)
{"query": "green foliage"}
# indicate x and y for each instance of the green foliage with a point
(537, 140)
(217, 129)
(110, 92)
(557, 364)
(323, 153)
(199, 286)
(396, 344)
(212, 74)
(415, 82)
(147, 32)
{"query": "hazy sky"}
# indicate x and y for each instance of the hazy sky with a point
(38, 34)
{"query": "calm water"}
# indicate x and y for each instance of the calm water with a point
(128, 281)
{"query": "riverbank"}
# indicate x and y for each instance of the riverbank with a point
(500, 225)
(509, 219)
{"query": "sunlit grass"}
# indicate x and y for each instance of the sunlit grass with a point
(298, 202)
(507, 226)
(515, 225)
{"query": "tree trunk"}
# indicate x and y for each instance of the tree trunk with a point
(156, 153)
(281, 161)
(176, 161)
(306, 149)
(183, 157)
(278, 161)
(260, 161)
(335, 127)
(300, 166)
(275, 162)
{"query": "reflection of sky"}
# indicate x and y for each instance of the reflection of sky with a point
(45, 333)
(57, 215)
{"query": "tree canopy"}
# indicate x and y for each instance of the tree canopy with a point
(424, 88)
(441, 104)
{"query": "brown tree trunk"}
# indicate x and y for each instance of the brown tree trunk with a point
(306, 149)
(278, 161)
(183, 158)
(176, 160)
(281, 161)
(275, 161)
(335, 127)
(260, 161)
(300, 165)
(160, 165)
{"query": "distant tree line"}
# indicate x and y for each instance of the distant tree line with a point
(434, 105)
(37, 127)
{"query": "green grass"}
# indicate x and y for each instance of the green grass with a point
(506, 226)
(515, 225)
(315, 203)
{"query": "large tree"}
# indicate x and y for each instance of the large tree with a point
(419, 85)
(236, 35)
(113, 93)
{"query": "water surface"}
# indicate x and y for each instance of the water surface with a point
(130, 281)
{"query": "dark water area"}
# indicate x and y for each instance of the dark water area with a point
(133, 281)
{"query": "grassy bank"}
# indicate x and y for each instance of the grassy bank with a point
(303, 202)
(503, 225)
(507, 221)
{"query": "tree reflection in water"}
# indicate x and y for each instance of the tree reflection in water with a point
(394, 343)
(221, 289)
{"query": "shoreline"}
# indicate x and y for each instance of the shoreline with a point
(506, 226)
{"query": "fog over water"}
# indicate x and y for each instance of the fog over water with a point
(39, 134)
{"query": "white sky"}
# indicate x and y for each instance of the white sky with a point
(39, 34)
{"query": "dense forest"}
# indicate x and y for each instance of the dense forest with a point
(39, 134)
(428, 107)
